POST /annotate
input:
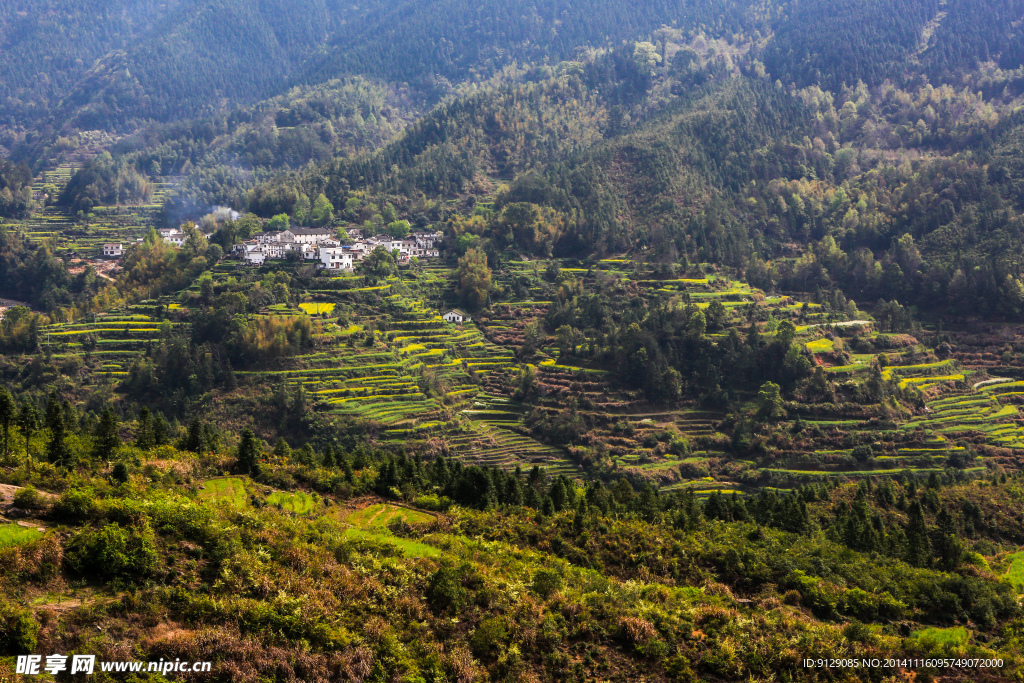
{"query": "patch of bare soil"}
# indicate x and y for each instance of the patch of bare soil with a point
(105, 268)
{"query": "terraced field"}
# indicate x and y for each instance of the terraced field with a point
(114, 340)
(396, 362)
(633, 433)
(381, 515)
(371, 524)
(412, 366)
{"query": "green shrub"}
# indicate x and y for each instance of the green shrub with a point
(679, 446)
(19, 631)
(855, 632)
(546, 582)
(114, 551)
(450, 586)
(432, 502)
(76, 505)
(489, 638)
(29, 498)
(120, 473)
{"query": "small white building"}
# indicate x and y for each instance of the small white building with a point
(113, 250)
(427, 239)
(335, 258)
(255, 254)
(456, 316)
(173, 236)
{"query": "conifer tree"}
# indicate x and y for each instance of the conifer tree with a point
(57, 451)
(28, 423)
(249, 452)
(195, 438)
(918, 547)
(144, 435)
(8, 412)
(282, 449)
(106, 438)
(161, 430)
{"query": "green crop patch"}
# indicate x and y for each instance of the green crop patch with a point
(954, 637)
(820, 346)
(230, 490)
(300, 502)
(15, 534)
(318, 308)
(1015, 572)
(404, 545)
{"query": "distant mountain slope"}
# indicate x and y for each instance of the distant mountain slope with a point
(454, 40)
(110, 62)
(102, 64)
(46, 46)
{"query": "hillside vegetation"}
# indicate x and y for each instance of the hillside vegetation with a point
(737, 381)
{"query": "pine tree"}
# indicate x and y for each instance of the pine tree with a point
(210, 437)
(28, 423)
(120, 473)
(161, 430)
(515, 491)
(714, 507)
(948, 547)
(648, 504)
(8, 412)
(558, 495)
(548, 507)
(439, 471)
(306, 455)
(106, 438)
(579, 519)
(54, 413)
(144, 435)
(282, 449)
(57, 451)
(195, 438)
(918, 547)
(249, 452)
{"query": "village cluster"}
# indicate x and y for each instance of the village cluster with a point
(320, 245)
(313, 244)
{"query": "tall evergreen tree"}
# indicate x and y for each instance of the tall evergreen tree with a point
(249, 452)
(144, 435)
(195, 438)
(106, 438)
(918, 547)
(948, 548)
(8, 412)
(57, 451)
(29, 424)
(161, 430)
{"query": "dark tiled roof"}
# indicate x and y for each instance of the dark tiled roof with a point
(310, 231)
